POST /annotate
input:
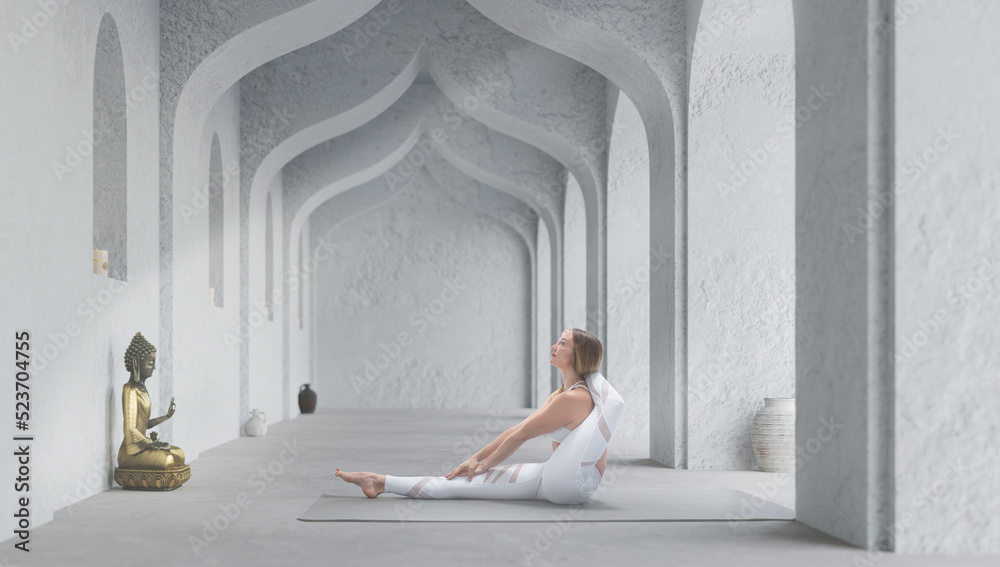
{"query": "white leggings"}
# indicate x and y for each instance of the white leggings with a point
(517, 481)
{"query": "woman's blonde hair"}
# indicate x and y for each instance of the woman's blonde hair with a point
(587, 353)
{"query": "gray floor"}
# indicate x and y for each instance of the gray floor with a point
(120, 527)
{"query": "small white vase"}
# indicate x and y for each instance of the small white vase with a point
(772, 435)
(256, 426)
(100, 262)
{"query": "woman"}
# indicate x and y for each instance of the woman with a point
(579, 417)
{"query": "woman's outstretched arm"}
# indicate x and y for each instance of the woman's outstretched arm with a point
(549, 418)
(489, 449)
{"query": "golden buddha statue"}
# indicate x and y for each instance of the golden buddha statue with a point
(144, 463)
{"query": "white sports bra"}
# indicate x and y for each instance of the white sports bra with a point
(559, 435)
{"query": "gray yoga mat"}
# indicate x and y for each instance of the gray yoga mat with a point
(654, 504)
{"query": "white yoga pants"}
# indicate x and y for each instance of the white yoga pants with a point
(503, 482)
(517, 481)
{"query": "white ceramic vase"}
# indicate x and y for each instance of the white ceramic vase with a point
(101, 262)
(772, 435)
(256, 426)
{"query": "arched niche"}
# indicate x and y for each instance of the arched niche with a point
(109, 141)
(269, 258)
(301, 264)
(216, 223)
(574, 258)
(543, 324)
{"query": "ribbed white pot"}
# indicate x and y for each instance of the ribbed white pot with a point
(772, 435)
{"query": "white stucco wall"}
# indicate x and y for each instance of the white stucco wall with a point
(266, 384)
(80, 323)
(840, 388)
(627, 349)
(206, 358)
(947, 278)
(457, 283)
(741, 237)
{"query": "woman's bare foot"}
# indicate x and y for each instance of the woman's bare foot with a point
(371, 483)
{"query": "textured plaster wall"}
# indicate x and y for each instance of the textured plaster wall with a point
(947, 279)
(741, 237)
(455, 281)
(79, 323)
(627, 348)
(838, 400)
(266, 383)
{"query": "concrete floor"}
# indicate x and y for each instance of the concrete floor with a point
(120, 527)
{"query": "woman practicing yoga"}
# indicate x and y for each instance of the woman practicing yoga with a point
(579, 417)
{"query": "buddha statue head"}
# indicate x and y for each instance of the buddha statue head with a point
(140, 358)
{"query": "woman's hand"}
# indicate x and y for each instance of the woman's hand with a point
(470, 467)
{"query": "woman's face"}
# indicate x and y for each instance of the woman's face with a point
(562, 355)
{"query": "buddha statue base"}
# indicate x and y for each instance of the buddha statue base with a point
(144, 479)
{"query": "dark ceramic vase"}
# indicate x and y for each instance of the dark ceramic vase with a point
(307, 399)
